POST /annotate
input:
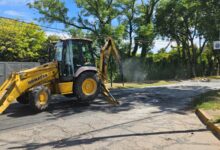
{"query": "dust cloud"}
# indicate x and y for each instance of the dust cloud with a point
(133, 70)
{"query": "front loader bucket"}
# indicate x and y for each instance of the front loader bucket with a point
(5, 90)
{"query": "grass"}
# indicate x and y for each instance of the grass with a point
(209, 100)
(208, 78)
(213, 77)
(139, 85)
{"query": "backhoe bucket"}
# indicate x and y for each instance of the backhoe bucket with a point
(108, 96)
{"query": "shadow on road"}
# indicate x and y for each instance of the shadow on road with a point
(69, 142)
(176, 99)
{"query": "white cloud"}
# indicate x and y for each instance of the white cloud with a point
(62, 35)
(158, 44)
(14, 13)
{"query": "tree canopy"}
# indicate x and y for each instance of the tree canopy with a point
(186, 21)
(20, 41)
(189, 26)
(104, 18)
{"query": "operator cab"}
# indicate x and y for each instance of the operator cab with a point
(71, 54)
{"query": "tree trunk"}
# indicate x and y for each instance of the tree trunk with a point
(194, 59)
(194, 66)
(218, 66)
(144, 50)
(210, 67)
(130, 47)
(194, 70)
(184, 54)
(189, 60)
(178, 49)
(135, 49)
(130, 39)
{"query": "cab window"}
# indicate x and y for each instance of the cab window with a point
(59, 50)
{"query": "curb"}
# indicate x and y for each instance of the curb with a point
(206, 119)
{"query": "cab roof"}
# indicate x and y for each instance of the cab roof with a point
(77, 39)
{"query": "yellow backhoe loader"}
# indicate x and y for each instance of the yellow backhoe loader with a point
(72, 73)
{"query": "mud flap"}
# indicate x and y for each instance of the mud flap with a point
(108, 96)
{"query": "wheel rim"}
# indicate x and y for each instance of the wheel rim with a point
(89, 86)
(43, 97)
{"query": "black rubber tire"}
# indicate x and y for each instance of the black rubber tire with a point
(82, 98)
(34, 98)
(23, 99)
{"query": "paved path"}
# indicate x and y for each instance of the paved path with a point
(151, 118)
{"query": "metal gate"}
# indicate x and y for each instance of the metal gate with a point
(6, 68)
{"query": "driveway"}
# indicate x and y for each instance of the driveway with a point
(149, 118)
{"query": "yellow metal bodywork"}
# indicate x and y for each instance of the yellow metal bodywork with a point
(65, 88)
(108, 49)
(48, 75)
(22, 81)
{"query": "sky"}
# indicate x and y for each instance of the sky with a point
(18, 9)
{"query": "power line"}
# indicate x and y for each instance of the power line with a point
(55, 31)
(43, 26)
(47, 28)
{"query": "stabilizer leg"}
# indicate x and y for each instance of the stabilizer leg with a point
(108, 96)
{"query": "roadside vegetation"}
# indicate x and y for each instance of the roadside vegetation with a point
(213, 77)
(209, 101)
(189, 27)
(20, 41)
(139, 85)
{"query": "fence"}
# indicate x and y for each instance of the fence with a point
(6, 68)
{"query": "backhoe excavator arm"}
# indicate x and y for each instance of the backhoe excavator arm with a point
(108, 49)
(20, 82)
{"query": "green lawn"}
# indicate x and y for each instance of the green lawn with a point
(207, 78)
(208, 100)
(213, 77)
(140, 85)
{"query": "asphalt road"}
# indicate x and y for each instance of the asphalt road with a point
(150, 118)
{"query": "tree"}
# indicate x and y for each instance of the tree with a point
(145, 32)
(181, 20)
(79, 33)
(210, 20)
(128, 9)
(20, 41)
(94, 16)
(48, 52)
